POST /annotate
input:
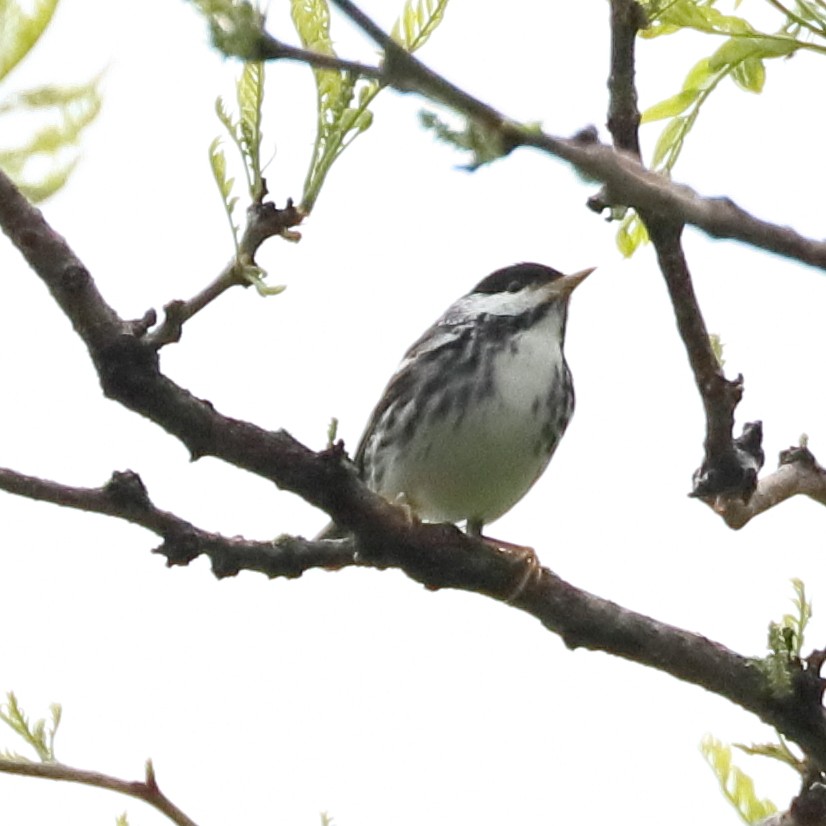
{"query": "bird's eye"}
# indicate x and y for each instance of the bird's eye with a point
(513, 287)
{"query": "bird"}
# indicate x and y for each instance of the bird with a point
(473, 414)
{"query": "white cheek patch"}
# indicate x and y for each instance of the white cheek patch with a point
(503, 304)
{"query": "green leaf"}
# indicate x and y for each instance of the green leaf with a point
(250, 91)
(700, 75)
(38, 735)
(485, 145)
(737, 786)
(750, 74)
(632, 234)
(670, 140)
(777, 751)
(21, 29)
(418, 20)
(43, 162)
(717, 348)
(218, 164)
(235, 26)
(343, 99)
(670, 107)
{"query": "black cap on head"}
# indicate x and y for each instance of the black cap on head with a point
(514, 278)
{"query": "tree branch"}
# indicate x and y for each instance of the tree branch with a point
(627, 18)
(264, 220)
(441, 556)
(727, 466)
(798, 473)
(146, 790)
(628, 183)
(436, 555)
(124, 496)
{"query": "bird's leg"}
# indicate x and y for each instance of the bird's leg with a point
(524, 552)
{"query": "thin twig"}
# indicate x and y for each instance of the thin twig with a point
(269, 48)
(437, 555)
(801, 21)
(264, 220)
(146, 790)
(628, 182)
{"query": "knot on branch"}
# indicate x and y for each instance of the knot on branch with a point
(127, 490)
(798, 455)
(125, 366)
(138, 327)
(807, 809)
(732, 472)
(265, 219)
(179, 548)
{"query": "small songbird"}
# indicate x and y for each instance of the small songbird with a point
(476, 409)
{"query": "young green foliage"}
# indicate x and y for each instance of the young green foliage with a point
(245, 132)
(343, 99)
(39, 735)
(737, 786)
(234, 25)
(741, 57)
(786, 639)
(21, 29)
(632, 233)
(332, 432)
(777, 751)
(245, 129)
(42, 162)
(484, 145)
(417, 22)
(786, 643)
(717, 347)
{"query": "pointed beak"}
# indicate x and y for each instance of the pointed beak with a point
(564, 286)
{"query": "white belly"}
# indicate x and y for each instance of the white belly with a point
(481, 458)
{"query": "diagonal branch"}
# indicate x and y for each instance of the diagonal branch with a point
(438, 556)
(146, 790)
(435, 555)
(726, 467)
(264, 220)
(627, 182)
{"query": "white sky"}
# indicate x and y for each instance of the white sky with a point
(359, 693)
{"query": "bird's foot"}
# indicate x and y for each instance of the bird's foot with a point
(402, 500)
(526, 555)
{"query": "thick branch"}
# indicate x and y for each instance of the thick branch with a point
(436, 555)
(441, 556)
(146, 790)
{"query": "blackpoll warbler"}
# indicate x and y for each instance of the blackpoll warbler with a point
(473, 414)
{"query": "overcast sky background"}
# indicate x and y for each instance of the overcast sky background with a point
(359, 693)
